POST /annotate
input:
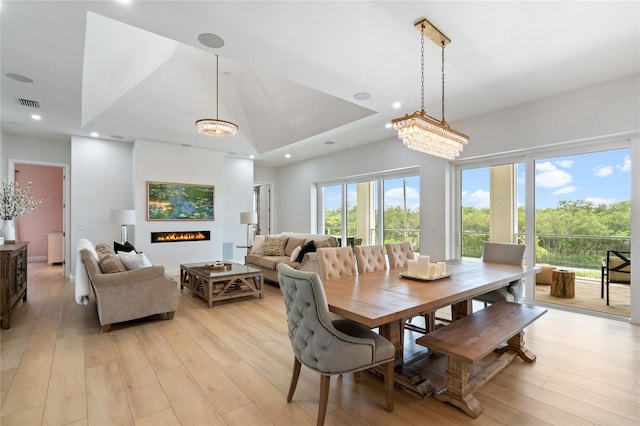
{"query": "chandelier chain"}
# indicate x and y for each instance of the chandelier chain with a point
(422, 69)
(443, 81)
(217, 58)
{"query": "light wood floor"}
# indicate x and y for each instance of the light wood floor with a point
(231, 365)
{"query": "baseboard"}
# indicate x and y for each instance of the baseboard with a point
(36, 258)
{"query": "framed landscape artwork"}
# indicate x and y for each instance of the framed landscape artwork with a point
(179, 201)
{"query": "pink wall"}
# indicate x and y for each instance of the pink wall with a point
(46, 184)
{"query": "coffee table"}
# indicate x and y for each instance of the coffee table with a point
(213, 286)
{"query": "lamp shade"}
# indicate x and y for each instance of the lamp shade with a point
(123, 217)
(247, 218)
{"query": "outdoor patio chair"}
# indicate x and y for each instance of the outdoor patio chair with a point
(616, 268)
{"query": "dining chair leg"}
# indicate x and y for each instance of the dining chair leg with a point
(294, 379)
(607, 292)
(324, 398)
(389, 384)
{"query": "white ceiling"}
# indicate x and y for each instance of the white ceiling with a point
(289, 70)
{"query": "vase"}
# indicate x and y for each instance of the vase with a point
(9, 231)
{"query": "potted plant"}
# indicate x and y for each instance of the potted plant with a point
(14, 202)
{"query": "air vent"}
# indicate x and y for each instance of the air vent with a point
(28, 103)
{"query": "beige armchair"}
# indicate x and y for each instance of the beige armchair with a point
(369, 258)
(325, 346)
(124, 296)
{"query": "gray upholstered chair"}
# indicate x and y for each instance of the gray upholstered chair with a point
(399, 254)
(369, 258)
(325, 346)
(336, 262)
(510, 254)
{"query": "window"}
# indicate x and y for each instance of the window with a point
(361, 205)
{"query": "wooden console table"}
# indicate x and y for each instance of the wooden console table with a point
(13, 278)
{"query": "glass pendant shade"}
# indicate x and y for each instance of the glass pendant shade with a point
(215, 127)
(425, 134)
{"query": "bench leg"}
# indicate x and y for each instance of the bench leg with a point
(458, 391)
(516, 344)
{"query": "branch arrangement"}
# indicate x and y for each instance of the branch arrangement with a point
(15, 201)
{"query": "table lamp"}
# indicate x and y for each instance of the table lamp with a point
(123, 218)
(249, 219)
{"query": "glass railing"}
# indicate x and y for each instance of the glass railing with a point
(581, 253)
(390, 236)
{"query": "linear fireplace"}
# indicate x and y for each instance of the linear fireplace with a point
(179, 236)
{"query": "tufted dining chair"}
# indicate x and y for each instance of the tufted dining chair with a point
(336, 262)
(510, 254)
(325, 346)
(369, 258)
(399, 254)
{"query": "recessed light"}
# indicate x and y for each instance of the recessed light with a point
(124, 1)
(95, 134)
(211, 40)
(19, 77)
(396, 105)
(329, 143)
(252, 156)
(388, 125)
(36, 117)
(362, 96)
(287, 156)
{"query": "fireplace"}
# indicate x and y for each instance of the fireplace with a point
(179, 236)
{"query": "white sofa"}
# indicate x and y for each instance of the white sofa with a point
(269, 262)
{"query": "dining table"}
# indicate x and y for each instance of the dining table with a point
(385, 299)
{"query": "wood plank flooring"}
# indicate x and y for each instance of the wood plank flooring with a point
(231, 365)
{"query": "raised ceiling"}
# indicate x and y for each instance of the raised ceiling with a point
(289, 70)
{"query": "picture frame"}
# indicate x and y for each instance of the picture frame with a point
(180, 201)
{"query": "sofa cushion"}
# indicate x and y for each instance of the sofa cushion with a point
(274, 245)
(110, 263)
(270, 262)
(133, 260)
(308, 247)
(258, 245)
(292, 243)
(322, 244)
(127, 246)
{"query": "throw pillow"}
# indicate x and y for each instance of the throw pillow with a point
(294, 254)
(103, 248)
(258, 245)
(333, 242)
(127, 246)
(110, 263)
(308, 247)
(291, 244)
(274, 246)
(132, 260)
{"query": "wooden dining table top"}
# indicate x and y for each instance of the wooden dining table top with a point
(382, 297)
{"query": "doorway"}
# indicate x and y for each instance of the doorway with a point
(262, 206)
(45, 226)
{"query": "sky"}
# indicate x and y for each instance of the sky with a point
(603, 178)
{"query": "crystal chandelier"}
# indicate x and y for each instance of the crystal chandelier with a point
(421, 132)
(215, 126)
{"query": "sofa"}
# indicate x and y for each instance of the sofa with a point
(294, 249)
(125, 284)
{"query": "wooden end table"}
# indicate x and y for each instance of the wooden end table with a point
(563, 283)
(214, 286)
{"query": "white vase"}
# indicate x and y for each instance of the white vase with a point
(9, 231)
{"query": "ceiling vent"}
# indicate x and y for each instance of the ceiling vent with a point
(28, 103)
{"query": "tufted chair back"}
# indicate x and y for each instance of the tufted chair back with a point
(336, 262)
(370, 258)
(510, 254)
(399, 254)
(328, 347)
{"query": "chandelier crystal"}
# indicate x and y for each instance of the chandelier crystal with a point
(421, 132)
(215, 126)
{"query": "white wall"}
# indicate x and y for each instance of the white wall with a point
(101, 181)
(232, 179)
(601, 110)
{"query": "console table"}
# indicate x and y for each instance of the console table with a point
(13, 278)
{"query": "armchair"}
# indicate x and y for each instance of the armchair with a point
(616, 268)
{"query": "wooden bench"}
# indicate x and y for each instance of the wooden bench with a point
(470, 339)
